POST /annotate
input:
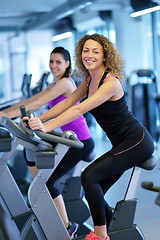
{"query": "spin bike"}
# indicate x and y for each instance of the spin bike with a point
(122, 223)
(41, 221)
(122, 226)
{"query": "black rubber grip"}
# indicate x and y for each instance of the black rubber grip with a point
(23, 112)
(30, 113)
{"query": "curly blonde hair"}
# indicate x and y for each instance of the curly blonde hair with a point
(114, 62)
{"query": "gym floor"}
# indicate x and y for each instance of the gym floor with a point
(147, 212)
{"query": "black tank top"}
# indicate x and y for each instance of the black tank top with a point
(116, 120)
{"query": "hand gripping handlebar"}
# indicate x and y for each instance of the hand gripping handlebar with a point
(67, 138)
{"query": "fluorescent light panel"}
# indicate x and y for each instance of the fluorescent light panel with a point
(145, 11)
(61, 36)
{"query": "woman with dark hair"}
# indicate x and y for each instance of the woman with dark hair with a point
(98, 59)
(60, 89)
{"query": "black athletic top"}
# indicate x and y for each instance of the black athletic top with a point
(116, 120)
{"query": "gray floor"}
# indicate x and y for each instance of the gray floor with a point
(147, 213)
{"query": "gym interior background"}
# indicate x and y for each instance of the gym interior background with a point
(30, 30)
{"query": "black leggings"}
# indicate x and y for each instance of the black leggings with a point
(99, 176)
(71, 158)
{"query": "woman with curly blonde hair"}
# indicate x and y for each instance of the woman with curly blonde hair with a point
(102, 66)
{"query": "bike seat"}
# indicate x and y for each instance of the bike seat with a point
(150, 163)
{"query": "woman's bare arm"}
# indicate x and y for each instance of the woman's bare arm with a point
(64, 86)
(29, 103)
(112, 89)
(59, 108)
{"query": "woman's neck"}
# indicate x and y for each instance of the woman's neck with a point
(57, 79)
(97, 75)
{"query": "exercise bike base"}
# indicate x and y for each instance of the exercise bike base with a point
(127, 234)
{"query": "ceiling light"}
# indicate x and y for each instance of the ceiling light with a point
(61, 36)
(142, 7)
(145, 11)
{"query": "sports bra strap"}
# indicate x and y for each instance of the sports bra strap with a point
(108, 77)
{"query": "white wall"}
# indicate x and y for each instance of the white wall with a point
(133, 41)
(23, 53)
(5, 65)
(39, 48)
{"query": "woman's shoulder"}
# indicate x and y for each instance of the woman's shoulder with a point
(66, 79)
(69, 81)
(63, 80)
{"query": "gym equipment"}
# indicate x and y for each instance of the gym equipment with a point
(122, 223)
(73, 195)
(41, 84)
(72, 190)
(25, 89)
(8, 228)
(23, 177)
(38, 226)
(142, 94)
(26, 85)
(151, 187)
(42, 221)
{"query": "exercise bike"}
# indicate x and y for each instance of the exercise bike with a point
(42, 220)
(122, 224)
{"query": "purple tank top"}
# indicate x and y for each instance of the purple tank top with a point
(79, 125)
